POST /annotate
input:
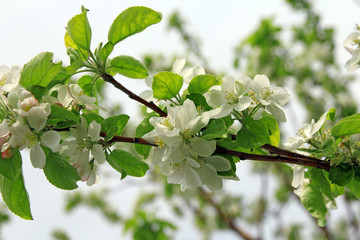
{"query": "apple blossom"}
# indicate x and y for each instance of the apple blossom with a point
(9, 78)
(270, 98)
(231, 95)
(84, 143)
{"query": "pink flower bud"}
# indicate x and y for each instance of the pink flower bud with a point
(7, 154)
(28, 103)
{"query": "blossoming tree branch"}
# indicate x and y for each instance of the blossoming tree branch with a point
(197, 128)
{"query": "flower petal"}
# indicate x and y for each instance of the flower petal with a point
(51, 139)
(202, 147)
(37, 156)
(98, 153)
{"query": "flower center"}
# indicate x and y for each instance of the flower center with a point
(166, 122)
(2, 81)
(230, 96)
(159, 142)
(187, 134)
(267, 92)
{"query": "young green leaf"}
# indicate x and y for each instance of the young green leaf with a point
(40, 70)
(131, 21)
(202, 83)
(60, 172)
(106, 51)
(166, 85)
(253, 134)
(215, 129)
(16, 197)
(129, 67)
(341, 174)
(79, 52)
(143, 128)
(118, 121)
(347, 126)
(61, 117)
(313, 201)
(11, 167)
(354, 186)
(89, 117)
(3, 110)
(124, 161)
(319, 180)
(273, 128)
(79, 30)
(199, 101)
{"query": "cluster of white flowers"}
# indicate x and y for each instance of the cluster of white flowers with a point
(305, 134)
(352, 44)
(25, 124)
(243, 93)
(183, 155)
(82, 144)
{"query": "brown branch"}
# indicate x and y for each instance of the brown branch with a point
(225, 218)
(278, 158)
(284, 152)
(117, 138)
(108, 78)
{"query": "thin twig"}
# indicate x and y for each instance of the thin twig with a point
(108, 78)
(225, 218)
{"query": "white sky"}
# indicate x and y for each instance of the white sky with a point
(30, 27)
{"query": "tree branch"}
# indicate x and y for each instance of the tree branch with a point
(277, 158)
(225, 218)
(108, 78)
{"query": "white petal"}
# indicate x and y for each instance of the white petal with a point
(98, 153)
(210, 178)
(276, 111)
(298, 176)
(259, 83)
(51, 139)
(178, 65)
(243, 103)
(191, 179)
(94, 130)
(37, 156)
(37, 117)
(215, 98)
(202, 147)
(280, 96)
(219, 163)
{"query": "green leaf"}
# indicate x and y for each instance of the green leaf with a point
(60, 172)
(86, 83)
(202, 83)
(313, 201)
(331, 114)
(341, 174)
(215, 129)
(89, 117)
(131, 21)
(79, 30)
(347, 126)
(354, 186)
(16, 197)
(106, 51)
(76, 52)
(252, 134)
(143, 128)
(199, 101)
(118, 121)
(357, 174)
(124, 161)
(129, 67)
(319, 180)
(273, 128)
(166, 85)
(3, 110)
(40, 70)
(61, 117)
(11, 167)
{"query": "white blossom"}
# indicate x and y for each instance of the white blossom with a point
(9, 78)
(270, 98)
(230, 95)
(84, 143)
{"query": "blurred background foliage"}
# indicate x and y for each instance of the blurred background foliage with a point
(299, 57)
